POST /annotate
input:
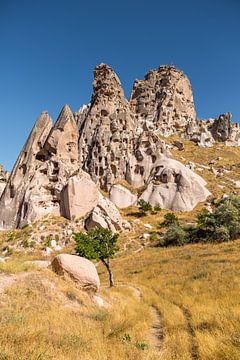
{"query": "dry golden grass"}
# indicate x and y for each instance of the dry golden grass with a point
(195, 290)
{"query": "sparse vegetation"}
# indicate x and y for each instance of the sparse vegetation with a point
(144, 207)
(223, 224)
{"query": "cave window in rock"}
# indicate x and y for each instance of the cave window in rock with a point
(12, 191)
(101, 172)
(23, 167)
(114, 170)
(154, 158)
(25, 209)
(40, 156)
(139, 170)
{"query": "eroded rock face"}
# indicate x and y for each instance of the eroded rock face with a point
(163, 101)
(4, 175)
(81, 270)
(79, 197)
(12, 203)
(175, 187)
(107, 133)
(206, 132)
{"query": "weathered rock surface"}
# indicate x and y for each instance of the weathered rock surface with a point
(122, 197)
(175, 187)
(111, 139)
(107, 132)
(4, 175)
(163, 101)
(81, 270)
(106, 215)
(206, 132)
(79, 197)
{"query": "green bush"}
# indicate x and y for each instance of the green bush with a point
(175, 236)
(223, 224)
(169, 219)
(144, 206)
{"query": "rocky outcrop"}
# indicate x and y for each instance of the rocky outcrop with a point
(175, 187)
(79, 197)
(206, 132)
(79, 269)
(107, 133)
(13, 207)
(223, 130)
(163, 101)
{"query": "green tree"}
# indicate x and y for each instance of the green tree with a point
(98, 244)
(144, 206)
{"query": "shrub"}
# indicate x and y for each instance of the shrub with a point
(169, 219)
(175, 235)
(144, 206)
(223, 224)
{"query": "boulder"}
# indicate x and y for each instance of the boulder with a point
(79, 197)
(122, 197)
(105, 215)
(81, 270)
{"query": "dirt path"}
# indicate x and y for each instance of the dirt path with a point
(156, 333)
(194, 346)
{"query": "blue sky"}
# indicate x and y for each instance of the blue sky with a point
(50, 47)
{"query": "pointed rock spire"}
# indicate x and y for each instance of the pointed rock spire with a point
(65, 116)
(106, 83)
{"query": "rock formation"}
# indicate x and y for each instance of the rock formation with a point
(62, 167)
(163, 101)
(173, 186)
(47, 178)
(206, 132)
(79, 269)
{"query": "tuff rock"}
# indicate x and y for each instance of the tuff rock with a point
(63, 166)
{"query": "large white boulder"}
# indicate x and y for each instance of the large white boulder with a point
(81, 270)
(122, 197)
(175, 187)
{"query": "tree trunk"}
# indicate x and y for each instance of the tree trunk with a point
(110, 273)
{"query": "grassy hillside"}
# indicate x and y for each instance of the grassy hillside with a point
(178, 303)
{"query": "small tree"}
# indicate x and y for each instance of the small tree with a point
(98, 244)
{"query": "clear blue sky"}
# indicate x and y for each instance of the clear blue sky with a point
(50, 47)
